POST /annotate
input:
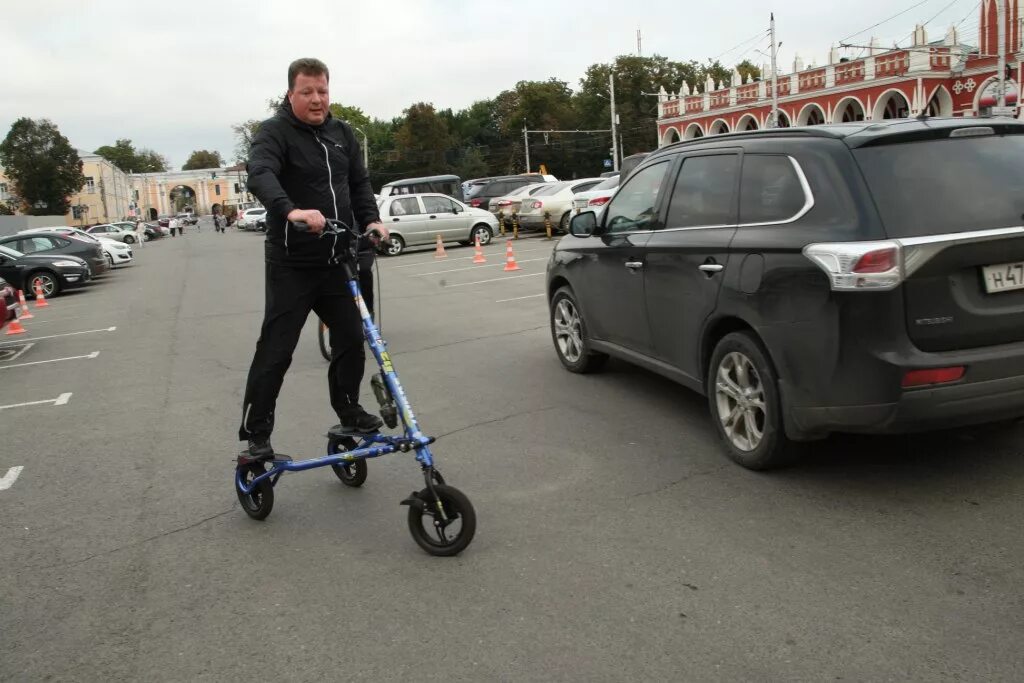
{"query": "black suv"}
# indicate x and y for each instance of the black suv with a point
(864, 277)
(483, 190)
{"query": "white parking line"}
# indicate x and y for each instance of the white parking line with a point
(59, 401)
(52, 360)
(60, 320)
(497, 279)
(519, 298)
(17, 354)
(12, 476)
(455, 270)
(66, 334)
(458, 258)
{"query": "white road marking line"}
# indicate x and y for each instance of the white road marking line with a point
(458, 258)
(12, 476)
(59, 401)
(478, 267)
(519, 298)
(18, 354)
(497, 279)
(66, 334)
(47, 322)
(52, 360)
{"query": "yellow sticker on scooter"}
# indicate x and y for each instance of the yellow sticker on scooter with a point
(385, 361)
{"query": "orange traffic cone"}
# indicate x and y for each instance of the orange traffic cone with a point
(440, 253)
(25, 313)
(478, 256)
(510, 258)
(40, 299)
(15, 328)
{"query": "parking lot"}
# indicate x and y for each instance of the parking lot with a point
(614, 541)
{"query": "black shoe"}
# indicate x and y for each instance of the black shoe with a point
(360, 423)
(260, 449)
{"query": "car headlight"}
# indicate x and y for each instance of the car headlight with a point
(68, 264)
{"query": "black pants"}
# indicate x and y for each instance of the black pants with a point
(290, 295)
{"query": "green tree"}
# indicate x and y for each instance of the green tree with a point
(245, 133)
(8, 208)
(423, 139)
(203, 158)
(43, 166)
(352, 115)
(746, 68)
(124, 155)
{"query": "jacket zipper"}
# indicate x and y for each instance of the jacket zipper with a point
(330, 184)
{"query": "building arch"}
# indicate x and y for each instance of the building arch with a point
(693, 131)
(811, 115)
(892, 104)
(848, 110)
(748, 122)
(719, 127)
(940, 103)
(671, 135)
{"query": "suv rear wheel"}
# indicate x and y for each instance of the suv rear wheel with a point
(745, 406)
(569, 333)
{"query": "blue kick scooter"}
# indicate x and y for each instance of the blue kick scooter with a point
(441, 518)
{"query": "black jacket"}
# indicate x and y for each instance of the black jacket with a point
(293, 165)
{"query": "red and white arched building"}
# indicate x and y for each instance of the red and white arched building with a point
(944, 78)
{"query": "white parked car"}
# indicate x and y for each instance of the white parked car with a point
(247, 220)
(510, 203)
(114, 232)
(556, 201)
(595, 198)
(416, 219)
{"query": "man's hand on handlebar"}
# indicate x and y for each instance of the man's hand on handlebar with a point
(311, 217)
(378, 232)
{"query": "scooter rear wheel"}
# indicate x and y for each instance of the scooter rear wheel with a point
(260, 501)
(351, 474)
(443, 538)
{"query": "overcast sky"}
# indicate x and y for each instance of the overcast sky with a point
(174, 76)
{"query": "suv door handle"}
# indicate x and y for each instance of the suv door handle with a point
(711, 267)
(433, 217)
(633, 265)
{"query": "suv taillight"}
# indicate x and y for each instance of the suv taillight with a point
(859, 266)
(537, 204)
(474, 203)
(598, 201)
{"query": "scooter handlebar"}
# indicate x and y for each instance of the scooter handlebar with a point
(334, 227)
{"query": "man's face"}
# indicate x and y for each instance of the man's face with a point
(310, 99)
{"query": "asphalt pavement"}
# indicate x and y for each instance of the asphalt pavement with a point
(615, 542)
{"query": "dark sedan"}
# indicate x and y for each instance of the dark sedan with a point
(53, 273)
(59, 243)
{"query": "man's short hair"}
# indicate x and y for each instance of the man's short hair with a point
(307, 66)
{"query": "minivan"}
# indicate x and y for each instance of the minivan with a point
(450, 185)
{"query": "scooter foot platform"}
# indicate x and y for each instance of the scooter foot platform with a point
(244, 459)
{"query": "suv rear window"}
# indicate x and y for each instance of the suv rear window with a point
(936, 187)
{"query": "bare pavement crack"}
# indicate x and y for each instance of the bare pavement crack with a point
(496, 420)
(680, 480)
(134, 544)
(472, 339)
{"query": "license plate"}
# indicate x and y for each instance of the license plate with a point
(1004, 277)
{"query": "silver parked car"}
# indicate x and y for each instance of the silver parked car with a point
(419, 218)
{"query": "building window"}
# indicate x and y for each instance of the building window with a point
(3, 191)
(216, 189)
(90, 185)
(238, 189)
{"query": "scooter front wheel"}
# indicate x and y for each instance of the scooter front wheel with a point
(260, 501)
(442, 535)
(351, 473)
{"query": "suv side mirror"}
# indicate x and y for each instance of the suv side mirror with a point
(583, 224)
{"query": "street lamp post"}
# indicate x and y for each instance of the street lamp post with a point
(366, 146)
